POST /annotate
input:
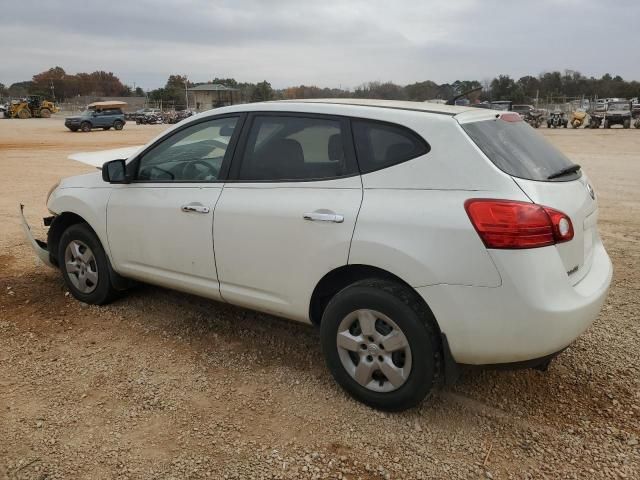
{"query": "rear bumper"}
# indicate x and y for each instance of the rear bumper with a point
(39, 247)
(535, 313)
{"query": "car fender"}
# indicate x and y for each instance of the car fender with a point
(88, 203)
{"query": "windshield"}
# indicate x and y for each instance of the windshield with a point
(499, 106)
(518, 150)
(618, 106)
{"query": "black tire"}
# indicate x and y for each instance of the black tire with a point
(626, 123)
(415, 321)
(106, 128)
(74, 129)
(85, 126)
(103, 292)
(607, 124)
(118, 125)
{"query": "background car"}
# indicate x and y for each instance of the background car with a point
(90, 119)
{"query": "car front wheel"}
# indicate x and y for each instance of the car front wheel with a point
(118, 125)
(85, 127)
(381, 345)
(84, 265)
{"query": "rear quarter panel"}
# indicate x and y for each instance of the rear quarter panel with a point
(412, 222)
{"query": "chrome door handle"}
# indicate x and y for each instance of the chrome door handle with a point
(323, 217)
(195, 207)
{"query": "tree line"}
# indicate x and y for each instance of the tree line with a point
(56, 83)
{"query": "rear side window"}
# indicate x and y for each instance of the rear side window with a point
(289, 148)
(518, 150)
(380, 145)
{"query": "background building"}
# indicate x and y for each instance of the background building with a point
(212, 95)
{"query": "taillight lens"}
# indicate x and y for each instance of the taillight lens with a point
(513, 224)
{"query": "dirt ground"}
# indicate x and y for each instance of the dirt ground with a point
(165, 385)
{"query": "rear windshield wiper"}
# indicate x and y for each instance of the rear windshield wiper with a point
(565, 171)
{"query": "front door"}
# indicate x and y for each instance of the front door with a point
(287, 215)
(159, 227)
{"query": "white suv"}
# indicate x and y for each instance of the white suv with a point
(419, 237)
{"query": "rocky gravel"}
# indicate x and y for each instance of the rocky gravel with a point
(161, 384)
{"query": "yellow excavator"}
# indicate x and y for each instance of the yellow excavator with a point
(34, 106)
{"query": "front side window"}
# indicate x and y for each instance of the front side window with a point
(380, 145)
(194, 154)
(281, 148)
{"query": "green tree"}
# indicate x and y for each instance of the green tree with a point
(421, 91)
(505, 88)
(19, 89)
(262, 92)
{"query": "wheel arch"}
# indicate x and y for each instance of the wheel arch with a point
(59, 224)
(343, 276)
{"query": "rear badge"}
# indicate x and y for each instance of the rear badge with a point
(591, 192)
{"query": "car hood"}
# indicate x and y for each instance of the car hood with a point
(97, 159)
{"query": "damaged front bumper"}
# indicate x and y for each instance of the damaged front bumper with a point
(39, 247)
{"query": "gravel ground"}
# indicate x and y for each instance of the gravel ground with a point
(165, 385)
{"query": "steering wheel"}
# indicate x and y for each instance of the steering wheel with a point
(190, 171)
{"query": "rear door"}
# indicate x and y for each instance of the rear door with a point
(536, 166)
(286, 217)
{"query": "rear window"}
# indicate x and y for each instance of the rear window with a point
(380, 145)
(518, 150)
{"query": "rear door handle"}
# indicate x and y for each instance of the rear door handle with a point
(324, 217)
(195, 207)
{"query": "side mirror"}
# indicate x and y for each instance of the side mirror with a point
(115, 171)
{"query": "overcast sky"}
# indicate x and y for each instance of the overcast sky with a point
(320, 42)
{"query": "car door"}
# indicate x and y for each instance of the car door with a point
(159, 226)
(286, 215)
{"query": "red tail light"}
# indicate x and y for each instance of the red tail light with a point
(513, 224)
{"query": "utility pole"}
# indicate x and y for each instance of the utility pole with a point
(186, 92)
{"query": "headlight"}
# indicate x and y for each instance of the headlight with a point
(51, 191)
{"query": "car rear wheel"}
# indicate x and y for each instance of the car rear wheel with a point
(85, 126)
(84, 265)
(380, 344)
(118, 125)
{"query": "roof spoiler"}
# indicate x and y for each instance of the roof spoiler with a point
(452, 100)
